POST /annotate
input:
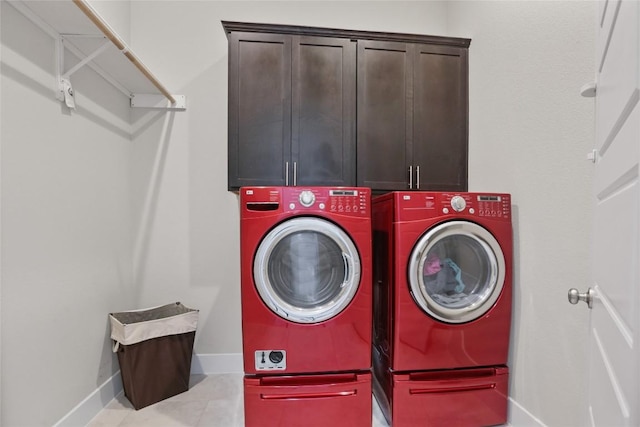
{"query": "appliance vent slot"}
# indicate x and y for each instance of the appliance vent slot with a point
(262, 206)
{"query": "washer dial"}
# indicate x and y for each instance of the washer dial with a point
(307, 198)
(458, 203)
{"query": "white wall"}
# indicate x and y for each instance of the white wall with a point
(65, 243)
(529, 134)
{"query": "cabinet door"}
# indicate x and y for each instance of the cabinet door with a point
(259, 109)
(385, 113)
(323, 118)
(440, 118)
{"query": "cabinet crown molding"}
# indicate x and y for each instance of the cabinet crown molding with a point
(230, 26)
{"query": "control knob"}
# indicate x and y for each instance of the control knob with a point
(458, 203)
(276, 356)
(307, 198)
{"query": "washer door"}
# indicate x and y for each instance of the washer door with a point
(456, 271)
(307, 270)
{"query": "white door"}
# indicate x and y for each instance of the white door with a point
(614, 324)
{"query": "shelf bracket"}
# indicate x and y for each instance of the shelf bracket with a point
(65, 90)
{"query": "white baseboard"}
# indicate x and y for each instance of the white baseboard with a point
(86, 410)
(520, 417)
(225, 363)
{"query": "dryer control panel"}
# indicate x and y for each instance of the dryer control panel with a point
(478, 204)
(420, 204)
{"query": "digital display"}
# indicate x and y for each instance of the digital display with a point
(343, 193)
(489, 198)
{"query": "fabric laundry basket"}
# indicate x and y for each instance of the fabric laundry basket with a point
(154, 348)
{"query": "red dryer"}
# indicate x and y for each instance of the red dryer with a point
(306, 305)
(442, 307)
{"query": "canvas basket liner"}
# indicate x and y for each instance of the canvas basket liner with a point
(131, 327)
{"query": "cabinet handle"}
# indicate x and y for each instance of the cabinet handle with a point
(418, 177)
(286, 173)
(410, 177)
(295, 174)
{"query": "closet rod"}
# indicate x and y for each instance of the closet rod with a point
(108, 32)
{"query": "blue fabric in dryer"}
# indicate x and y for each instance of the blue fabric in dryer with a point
(458, 274)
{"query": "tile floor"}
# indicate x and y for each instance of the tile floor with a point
(212, 401)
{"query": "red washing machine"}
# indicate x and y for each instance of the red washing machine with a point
(442, 307)
(306, 305)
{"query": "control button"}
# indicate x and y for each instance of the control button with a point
(307, 198)
(276, 356)
(472, 211)
(292, 205)
(445, 210)
(458, 203)
(321, 205)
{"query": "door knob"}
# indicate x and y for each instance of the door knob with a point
(575, 296)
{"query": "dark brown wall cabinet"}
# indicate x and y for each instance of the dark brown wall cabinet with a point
(293, 103)
(291, 110)
(412, 116)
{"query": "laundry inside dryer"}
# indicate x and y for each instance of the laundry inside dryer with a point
(456, 271)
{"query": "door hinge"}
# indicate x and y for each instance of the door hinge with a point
(592, 155)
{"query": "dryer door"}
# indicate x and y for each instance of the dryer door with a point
(456, 271)
(307, 270)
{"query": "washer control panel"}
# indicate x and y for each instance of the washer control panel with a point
(349, 201)
(271, 360)
(341, 200)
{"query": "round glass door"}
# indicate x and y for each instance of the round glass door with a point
(456, 271)
(307, 270)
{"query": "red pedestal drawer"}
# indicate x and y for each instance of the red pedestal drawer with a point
(308, 400)
(458, 398)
